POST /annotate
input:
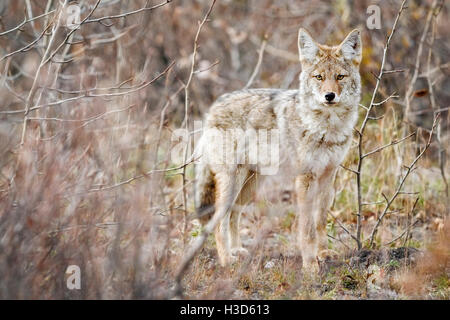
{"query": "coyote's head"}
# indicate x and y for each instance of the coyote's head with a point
(330, 75)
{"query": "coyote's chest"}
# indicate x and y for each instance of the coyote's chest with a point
(315, 142)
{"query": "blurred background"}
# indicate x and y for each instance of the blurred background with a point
(88, 180)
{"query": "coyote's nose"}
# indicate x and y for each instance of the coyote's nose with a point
(330, 96)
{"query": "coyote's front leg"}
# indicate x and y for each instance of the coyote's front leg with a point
(314, 196)
(324, 201)
(305, 186)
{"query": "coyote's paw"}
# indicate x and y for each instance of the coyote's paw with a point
(309, 262)
(311, 267)
(239, 252)
(327, 253)
(226, 260)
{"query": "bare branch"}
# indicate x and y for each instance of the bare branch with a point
(24, 22)
(394, 142)
(140, 176)
(407, 228)
(28, 46)
(402, 182)
(385, 100)
(258, 64)
(342, 226)
(88, 94)
(349, 169)
(366, 119)
(126, 14)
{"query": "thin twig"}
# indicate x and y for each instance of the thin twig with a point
(330, 236)
(393, 142)
(126, 14)
(342, 226)
(24, 22)
(89, 94)
(140, 176)
(258, 64)
(407, 228)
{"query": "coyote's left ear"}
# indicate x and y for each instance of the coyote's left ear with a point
(351, 47)
(307, 47)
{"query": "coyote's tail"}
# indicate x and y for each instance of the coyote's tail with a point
(205, 189)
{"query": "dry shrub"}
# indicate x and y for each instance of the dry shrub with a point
(434, 263)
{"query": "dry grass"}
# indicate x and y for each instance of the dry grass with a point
(430, 276)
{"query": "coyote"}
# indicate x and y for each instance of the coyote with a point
(315, 128)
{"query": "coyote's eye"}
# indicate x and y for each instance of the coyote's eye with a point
(340, 77)
(318, 77)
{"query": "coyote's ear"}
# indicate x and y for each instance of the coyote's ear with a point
(351, 47)
(307, 47)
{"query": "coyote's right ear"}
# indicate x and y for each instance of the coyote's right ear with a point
(307, 47)
(351, 47)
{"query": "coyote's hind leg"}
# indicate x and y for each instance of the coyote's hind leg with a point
(227, 231)
(245, 196)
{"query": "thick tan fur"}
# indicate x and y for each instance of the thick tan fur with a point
(315, 126)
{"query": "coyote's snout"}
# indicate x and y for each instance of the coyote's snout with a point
(314, 127)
